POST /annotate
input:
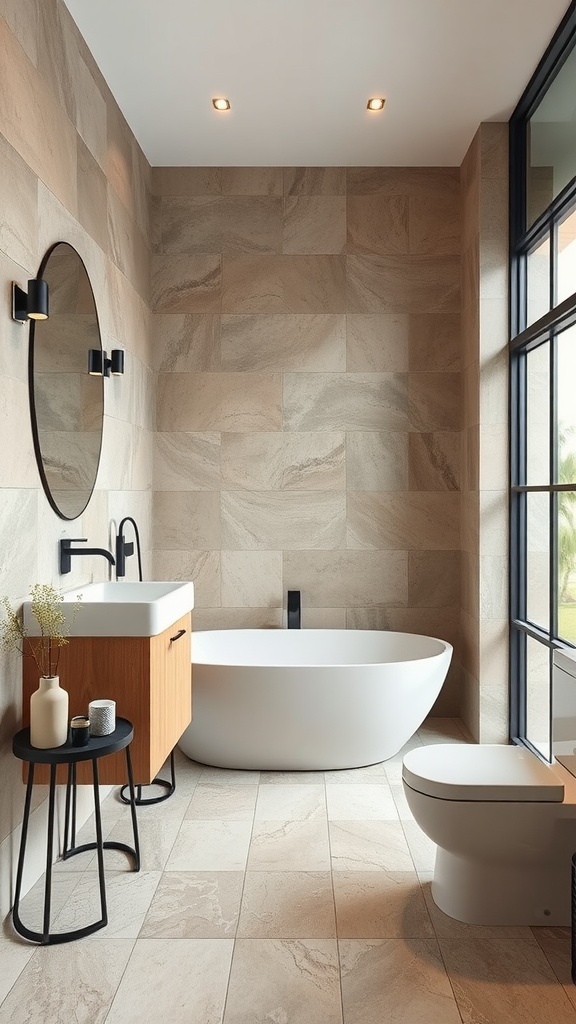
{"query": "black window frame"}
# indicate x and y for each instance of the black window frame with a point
(523, 239)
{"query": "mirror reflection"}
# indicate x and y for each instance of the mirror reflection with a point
(67, 403)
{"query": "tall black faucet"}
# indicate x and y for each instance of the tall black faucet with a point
(125, 549)
(66, 552)
(293, 609)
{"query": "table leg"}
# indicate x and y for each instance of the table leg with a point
(20, 870)
(99, 842)
(133, 809)
(49, 853)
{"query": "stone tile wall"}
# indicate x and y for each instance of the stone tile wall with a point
(69, 170)
(307, 343)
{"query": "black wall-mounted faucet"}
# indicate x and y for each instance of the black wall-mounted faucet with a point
(293, 609)
(126, 548)
(66, 552)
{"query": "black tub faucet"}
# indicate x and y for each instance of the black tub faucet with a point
(66, 552)
(293, 609)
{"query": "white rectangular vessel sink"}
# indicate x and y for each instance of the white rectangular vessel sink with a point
(121, 609)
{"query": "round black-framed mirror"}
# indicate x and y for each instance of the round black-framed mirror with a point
(66, 402)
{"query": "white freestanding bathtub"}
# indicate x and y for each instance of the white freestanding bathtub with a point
(298, 699)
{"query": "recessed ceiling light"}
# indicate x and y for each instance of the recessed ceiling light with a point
(221, 103)
(375, 103)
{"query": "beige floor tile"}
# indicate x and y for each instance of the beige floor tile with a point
(290, 802)
(72, 982)
(504, 981)
(422, 849)
(32, 904)
(380, 904)
(156, 841)
(555, 944)
(14, 955)
(128, 896)
(284, 980)
(211, 846)
(360, 803)
(222, 802)
(178, 980)
(287, 905)
(374, 774)
(369, 846)
(395, 980)
(195, 905)
(230, 776)
(289, 846)
(291, 778)
(399, 797)
(449, 928)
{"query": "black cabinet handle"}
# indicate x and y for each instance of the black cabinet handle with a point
(177, 636)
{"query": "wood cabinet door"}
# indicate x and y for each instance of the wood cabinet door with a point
(170, 689)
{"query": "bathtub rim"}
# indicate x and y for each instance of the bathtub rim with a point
(445, 648)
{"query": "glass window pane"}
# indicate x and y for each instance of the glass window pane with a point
(566, 391)
(538, 695)
(566, 284)
(538, 559)
(567, 565)
(538, 282)
(552, 142)
(538, 415)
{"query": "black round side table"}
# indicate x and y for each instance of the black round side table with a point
(97, 747)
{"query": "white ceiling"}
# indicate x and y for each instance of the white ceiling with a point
(298, 74)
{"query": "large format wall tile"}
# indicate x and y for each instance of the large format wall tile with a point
(426, 182)
(330, 401)
(283, 284)
(18, 207)
(402, 284)
(420, 520)
(434, 401)
(186, 284)
(34, 123)
(284, 341)
(342, 579)
(434, 461)
(187, 461)
(283, 461)
(219, 401)
(184, 520)
(377, 224)
(377, 342)
(270, 520)
(203, 567)
(314, 181)
(435, 341)
(185, 342)
(314, 224)
(220, 224)
(252, 579)
(376, 461)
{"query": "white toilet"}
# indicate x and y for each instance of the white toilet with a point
(504, 821)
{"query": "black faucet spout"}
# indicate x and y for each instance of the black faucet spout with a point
(293, 609)
(66, 552)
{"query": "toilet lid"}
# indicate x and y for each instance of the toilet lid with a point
(454, 771)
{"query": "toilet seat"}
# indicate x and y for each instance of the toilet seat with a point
(484, 772)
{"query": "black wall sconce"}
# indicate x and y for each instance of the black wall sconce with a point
(30, 305)
(100, 366)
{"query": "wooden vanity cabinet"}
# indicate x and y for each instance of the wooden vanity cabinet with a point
(150, 680)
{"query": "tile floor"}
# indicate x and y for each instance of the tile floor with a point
(278, 898)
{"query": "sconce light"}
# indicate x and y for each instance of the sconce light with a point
(30, 305)
(100, 366)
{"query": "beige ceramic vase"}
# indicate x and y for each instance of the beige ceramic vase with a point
(48, 714)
